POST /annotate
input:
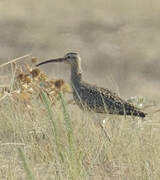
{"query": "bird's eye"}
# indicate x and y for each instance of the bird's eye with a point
(68, 56)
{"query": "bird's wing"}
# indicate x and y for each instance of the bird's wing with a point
(111, 100)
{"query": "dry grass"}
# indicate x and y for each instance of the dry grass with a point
(42, 137)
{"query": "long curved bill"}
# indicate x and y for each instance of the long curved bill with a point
(51, 61)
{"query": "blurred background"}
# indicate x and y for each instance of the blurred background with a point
(118, 41)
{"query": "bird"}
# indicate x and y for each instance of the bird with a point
(91, 97)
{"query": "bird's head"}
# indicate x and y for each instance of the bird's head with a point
(70, 58)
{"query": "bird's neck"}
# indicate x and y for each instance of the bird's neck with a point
(76, 74)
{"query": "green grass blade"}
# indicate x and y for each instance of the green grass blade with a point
(26, 165)
(67, 118)
(50, 114)
(72, 163)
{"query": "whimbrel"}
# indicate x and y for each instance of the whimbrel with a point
(93, 98)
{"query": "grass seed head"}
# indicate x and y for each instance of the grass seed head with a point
(34, 60)
(31, 82)
(35, 72)
(59, 83)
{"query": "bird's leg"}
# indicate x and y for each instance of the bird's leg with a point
(101, 124)
(102, 127)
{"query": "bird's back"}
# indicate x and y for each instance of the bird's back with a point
(102, 100)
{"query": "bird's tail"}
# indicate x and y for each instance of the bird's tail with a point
(129, 109)
(138, 113)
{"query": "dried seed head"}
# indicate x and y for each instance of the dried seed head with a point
(59, 83)
(43, 76)
(31, 81)
(35, 72)
(21, 76)
(27, 78)
(34, 59)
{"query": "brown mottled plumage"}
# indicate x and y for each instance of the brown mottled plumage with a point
(93, 98)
